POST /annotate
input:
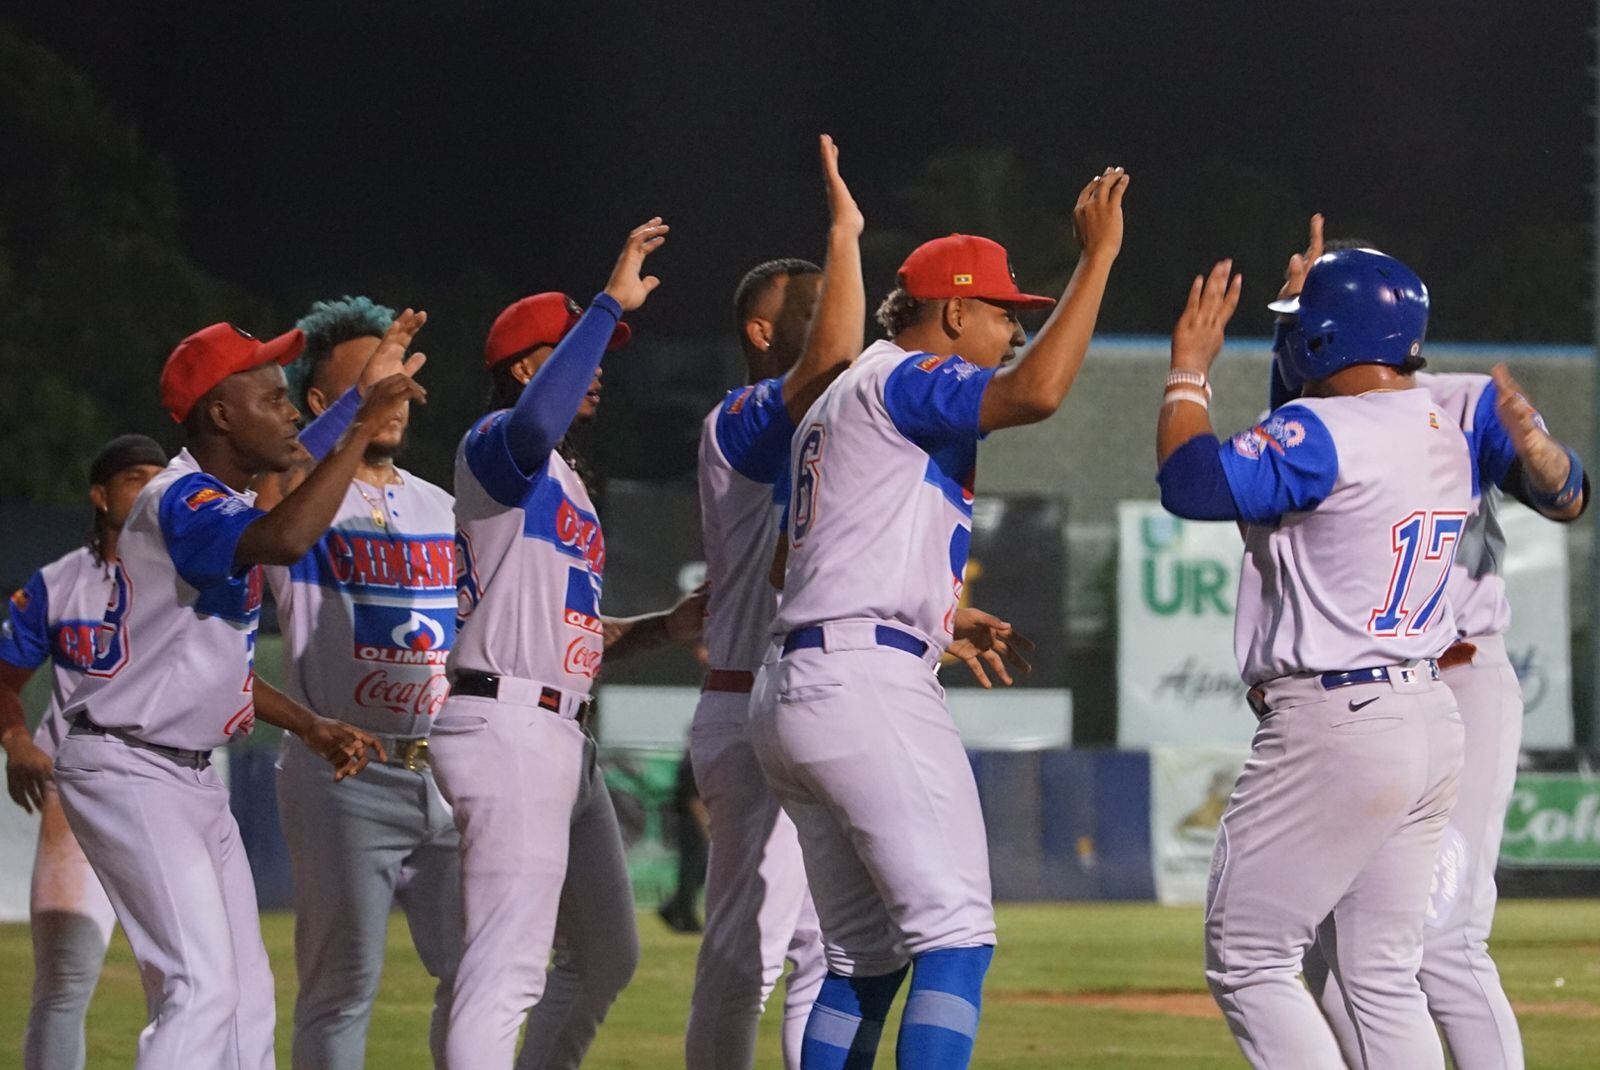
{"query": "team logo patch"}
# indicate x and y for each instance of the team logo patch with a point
(202, 496)
(930, 362)
(964, 369)
(396, 635)
(737, 405)
(1433, 420)
(1276, 434)
(20, 600)
(963, 280)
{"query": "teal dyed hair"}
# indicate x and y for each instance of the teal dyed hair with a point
(328, 324)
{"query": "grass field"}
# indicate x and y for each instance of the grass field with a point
(1079, 985)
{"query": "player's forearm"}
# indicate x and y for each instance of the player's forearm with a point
(1034, 388)
(1550, 480)
(13, 720)
(276, 708)
(837, 330)
(550, 401)
(1179, 422)
(627, 636)
(293, 526)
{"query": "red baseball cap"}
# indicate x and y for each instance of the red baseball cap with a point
(965, 265)
(208, 356)
(541, 320)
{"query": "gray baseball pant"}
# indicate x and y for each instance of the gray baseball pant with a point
(1336, 817)
(1458, 977)
(356, 848)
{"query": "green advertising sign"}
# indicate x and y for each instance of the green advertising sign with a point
(1554, 820)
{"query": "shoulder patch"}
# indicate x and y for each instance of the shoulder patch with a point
(930, 362)
(1275, 434)
(736, 406)
(202, 496)
(20, 600)
(1433, 419)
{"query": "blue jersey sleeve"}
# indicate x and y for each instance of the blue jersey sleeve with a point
(202, 521)
(934, 400)
(1492, 451)
(25, 636)
(1286, 464)
(753, 430)
(490, 459)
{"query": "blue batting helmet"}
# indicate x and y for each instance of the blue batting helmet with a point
(1357, 306)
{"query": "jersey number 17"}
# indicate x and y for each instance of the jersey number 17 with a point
(1422, 542)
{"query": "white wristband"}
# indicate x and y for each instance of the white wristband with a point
(1173, 396)
(1194, 379)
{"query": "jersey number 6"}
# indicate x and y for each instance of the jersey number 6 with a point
(807, 476)
(1419, 540)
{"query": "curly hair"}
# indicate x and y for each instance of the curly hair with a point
(758, 278)
(899, 311)
(329, 324)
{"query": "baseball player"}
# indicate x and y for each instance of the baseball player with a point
(367, 618)
(758, 911)
(1333, 825)
(1517, 454)
(176, 640)
(54, 618)
(847, 717)
(538, 832)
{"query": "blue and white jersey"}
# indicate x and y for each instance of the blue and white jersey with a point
(530, 561)
(54, 618)
(174, 657)
(1477, 590)
(880, 515)
(744, 452)
(369, 614)
(1356, 507)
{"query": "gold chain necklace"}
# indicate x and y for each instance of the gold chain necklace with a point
(378, 516)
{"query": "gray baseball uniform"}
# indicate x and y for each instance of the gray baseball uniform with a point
(1458, 976)
(1334, 823)
(368, 617)
(54, 618)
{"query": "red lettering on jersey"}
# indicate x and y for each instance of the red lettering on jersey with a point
(417, 565)
(421, 698)
(584, 621)
(573, 529)
(241, 722)
(75, 644)
(583, 658)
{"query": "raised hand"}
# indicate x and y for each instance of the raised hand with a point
(1197, 339)
(390, 356)
(342, 746)
(1544, 460)
(687, 619)
(1097, 217)
(842, 207)
(982, 638)
(386, 400)
(626, 286)
(1294, 276)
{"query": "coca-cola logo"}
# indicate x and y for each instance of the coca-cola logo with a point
(583, 658)
(241, 722)
(413, 697)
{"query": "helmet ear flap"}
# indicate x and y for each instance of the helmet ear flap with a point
(1294, 356)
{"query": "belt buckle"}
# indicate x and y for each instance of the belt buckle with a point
(414, 755)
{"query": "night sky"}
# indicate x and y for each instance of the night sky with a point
(326, 147)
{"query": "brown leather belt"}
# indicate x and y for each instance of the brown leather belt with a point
(737, 681)
(1458, 653)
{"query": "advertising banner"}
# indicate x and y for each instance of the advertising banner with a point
(1553, 820)
(1189, 788)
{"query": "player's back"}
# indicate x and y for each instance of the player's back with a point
(1358, 577)
(880, 516)
(743, 485)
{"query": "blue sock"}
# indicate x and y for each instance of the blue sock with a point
(941, 1017)
(847, 1020)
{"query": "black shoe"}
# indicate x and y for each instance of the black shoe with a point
(680, 917)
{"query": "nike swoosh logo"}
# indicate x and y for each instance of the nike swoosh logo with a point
(1354, 706)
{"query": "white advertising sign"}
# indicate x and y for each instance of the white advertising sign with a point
(1189, 788)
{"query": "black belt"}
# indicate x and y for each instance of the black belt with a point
(812, 638)
(487, 685)
(189, 759)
